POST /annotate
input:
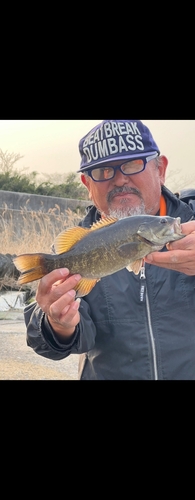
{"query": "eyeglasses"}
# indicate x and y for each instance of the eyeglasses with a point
(132, 167)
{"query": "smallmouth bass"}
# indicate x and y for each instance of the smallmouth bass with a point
(108, 246)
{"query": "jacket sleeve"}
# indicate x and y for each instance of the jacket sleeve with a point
(41, 337)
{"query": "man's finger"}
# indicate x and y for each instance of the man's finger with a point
(188, 227)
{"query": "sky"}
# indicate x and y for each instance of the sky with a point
(51, 146)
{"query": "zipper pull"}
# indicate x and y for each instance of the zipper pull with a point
(142, 273)
(143, 283)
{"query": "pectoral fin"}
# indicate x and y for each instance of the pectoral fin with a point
(129, 250)
(135, 266)
(84, 286)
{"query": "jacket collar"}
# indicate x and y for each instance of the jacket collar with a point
(176, 207)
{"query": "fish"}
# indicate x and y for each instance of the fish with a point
(108, 246)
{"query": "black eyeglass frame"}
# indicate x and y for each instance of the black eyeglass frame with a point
(119, 167)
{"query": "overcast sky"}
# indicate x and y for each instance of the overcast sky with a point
(51, 146)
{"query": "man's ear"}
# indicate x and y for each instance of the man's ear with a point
(85, 180)
(162, 168)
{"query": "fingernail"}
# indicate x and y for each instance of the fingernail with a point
(72, 293)
(64, 271)
(76, 304)
(77, 277)
(149, 257)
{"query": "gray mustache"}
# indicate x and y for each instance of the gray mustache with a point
(122, 190)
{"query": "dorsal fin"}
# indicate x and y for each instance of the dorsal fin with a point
(67, 239)
(107, 221)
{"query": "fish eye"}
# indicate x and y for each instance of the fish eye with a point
(163, 221)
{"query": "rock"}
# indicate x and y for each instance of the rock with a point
(9, 275)
(7, 267)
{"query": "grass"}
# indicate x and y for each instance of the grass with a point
(24, 231)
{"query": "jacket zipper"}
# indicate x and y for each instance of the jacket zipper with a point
(143, 291)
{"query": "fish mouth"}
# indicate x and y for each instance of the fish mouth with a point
(173, 231)
(177, 225)
(149, 242)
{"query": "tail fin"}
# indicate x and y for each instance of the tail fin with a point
(31, 266)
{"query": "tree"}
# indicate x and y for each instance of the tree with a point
(7, 162)
(11, 179)
(176, 181)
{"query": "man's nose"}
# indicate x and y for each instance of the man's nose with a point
(120, 179)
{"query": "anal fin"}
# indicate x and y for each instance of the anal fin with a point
(84, 286)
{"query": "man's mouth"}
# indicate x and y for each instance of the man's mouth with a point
(123, 192)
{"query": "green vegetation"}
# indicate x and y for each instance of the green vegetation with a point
(62, 186)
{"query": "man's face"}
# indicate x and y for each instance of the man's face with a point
(129, 194)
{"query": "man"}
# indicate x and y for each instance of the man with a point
(133, 327)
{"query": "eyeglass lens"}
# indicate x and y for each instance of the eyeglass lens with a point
(105, 173)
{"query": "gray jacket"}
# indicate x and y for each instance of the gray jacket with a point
(132, 327)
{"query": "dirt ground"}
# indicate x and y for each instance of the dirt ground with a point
(20, 362)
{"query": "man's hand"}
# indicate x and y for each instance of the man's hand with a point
(56, 297)
(181, 254)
